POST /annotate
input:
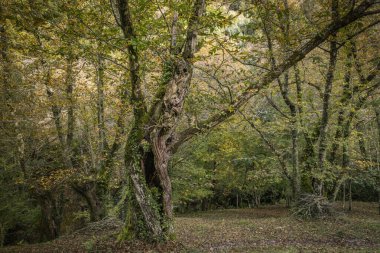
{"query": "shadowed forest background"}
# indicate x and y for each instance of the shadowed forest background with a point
(189, 126)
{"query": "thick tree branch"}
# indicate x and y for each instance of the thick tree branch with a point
(269, 77)
(270, 145)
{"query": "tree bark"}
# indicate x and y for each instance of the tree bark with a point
(344, 195)
(377, 113)
(102, 143)
(52, 210)
(347, 94)
(147, 205)
(338, 187)
(350, 195)
(318, 187)
(2, 235)
(153, 130)
(70, 107)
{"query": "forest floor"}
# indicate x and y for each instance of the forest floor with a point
(265, 229)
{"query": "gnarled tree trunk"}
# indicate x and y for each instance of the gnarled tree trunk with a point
(149, 143)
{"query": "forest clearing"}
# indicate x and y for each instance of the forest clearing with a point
(264, 229)
(189, 125)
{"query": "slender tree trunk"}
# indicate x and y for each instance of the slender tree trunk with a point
(347, 95)
(377, 113)
(70, 108)
(56, 111)
(287, 201)
(344, 195)
(284, 88)
(378, 192)
(341, 130)
(361, 141)
(295, 162)
(102, 144)
(338, 187)
(349, 195)
(258, 200)
(318, 187)
(2, 234)
(308, 153)
(293, 106)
